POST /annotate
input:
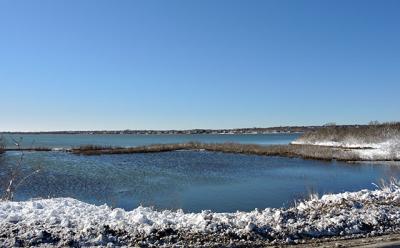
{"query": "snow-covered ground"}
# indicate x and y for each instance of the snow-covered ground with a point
(388, 150)
(66, 222)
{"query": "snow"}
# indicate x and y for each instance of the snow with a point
(59, 149)
(388, 150)
(65, 221)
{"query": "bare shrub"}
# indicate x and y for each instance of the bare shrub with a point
(2, 145)
(330, 124)
(373, 123)
(16, 176)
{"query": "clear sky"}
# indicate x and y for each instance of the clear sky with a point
(79, 65)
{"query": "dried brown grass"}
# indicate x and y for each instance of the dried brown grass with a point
(373, 133)
(302, 151)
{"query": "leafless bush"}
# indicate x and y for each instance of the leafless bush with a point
(2, 145)
(16, 177)
(373, 123)
(330, 124)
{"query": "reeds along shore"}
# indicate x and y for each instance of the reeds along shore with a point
(2, 146)
(374, 133)
(301, 151)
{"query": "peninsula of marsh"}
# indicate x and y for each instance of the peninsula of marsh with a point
(344, 143)
(375, 142)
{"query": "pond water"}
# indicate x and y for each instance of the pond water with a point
(123, 140)
(189, 180)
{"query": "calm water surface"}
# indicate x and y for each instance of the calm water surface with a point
(189, 180)
(69, 140)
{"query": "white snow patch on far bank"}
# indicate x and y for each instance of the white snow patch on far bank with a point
(388, 150)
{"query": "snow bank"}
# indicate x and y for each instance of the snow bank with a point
(361, 142)
(66, 221)
(349, 143)
(388, 150)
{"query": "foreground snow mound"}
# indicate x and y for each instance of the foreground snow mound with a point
(69, 222)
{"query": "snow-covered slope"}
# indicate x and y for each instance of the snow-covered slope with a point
(373, 142)
(388, 150)
(65, 221)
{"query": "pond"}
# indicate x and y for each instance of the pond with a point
(189, 180)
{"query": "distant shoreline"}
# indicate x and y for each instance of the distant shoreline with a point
(254, 130)
(143, 134)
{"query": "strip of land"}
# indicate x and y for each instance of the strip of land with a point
(254, 130)
(305, 151)
(291, 151)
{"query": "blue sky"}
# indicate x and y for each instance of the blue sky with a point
(78, 65)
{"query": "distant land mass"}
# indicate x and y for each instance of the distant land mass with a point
(253, 130)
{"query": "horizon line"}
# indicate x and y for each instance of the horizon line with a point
(182, 130)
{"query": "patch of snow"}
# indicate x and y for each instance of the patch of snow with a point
(388, 150)
(64, 220)
(60, 149)
(343, 144)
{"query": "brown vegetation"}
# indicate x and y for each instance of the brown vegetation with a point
(2, 145)
(302, 151)
(373, 133)
(31, 149)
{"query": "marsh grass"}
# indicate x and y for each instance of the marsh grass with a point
(94, 147)
(2, 145)
(30, 149)
(301, 151)
(366, 134)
